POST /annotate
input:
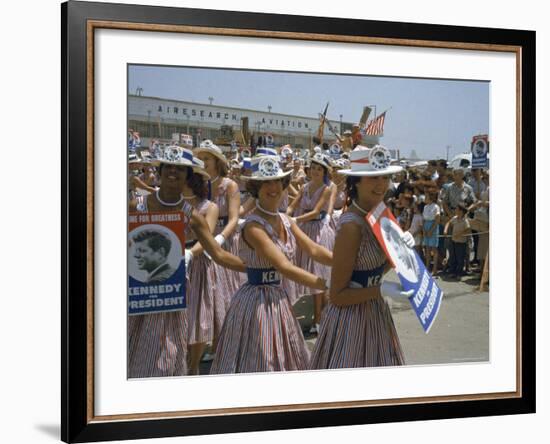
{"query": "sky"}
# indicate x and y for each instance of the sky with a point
(425, 115)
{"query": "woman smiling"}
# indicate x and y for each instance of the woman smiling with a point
(357, 328)
(260, 332)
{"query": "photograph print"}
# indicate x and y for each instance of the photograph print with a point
(288, 221)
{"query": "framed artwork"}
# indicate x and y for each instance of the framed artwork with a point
(137, 79)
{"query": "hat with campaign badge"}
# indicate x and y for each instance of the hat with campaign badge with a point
(207, 146)
(370, 162)
(266, 168)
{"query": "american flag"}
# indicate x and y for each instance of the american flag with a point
(376, 126)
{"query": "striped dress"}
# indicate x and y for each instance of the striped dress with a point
(226, 281)
(260, 333)
(339, 203)
(157, 343)
(203, 325)
(360, 335)
(317, 230)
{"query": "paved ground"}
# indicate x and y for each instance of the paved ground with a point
(459, 334)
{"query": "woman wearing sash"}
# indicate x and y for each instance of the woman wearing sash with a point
(158, 342)
(310, 207)
(200, 277)
(357, 328)
(225, 194)
(260, 332)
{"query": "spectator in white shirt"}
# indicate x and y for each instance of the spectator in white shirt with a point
(431, 215)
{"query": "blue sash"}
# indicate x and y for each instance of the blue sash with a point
(322, 215)
(263, 276)
(368, 278)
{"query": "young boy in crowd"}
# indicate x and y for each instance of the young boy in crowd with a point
(459, 228)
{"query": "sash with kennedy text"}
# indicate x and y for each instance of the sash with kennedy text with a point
(156, 265)
(413, 275)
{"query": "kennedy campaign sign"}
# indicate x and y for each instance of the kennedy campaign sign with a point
(427, 296)
(156, 265)
(480, 150)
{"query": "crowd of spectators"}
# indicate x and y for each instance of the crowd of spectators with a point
(447, 211)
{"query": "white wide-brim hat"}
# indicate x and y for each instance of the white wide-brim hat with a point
(322, 159)
(266, 168)
(174, 155)
(370, 162)
(207, 146)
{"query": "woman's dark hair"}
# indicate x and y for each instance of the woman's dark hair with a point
(326, 175)
(351, 189)
(194, 181)
(253, 186)
(197, 183)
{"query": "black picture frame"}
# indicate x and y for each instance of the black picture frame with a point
(77, 421)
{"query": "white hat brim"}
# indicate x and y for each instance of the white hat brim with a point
(185, 163)
(266, 178)
(220, 156)
(392, 169)
(319, 162)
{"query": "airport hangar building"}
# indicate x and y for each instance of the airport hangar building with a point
(159, 118)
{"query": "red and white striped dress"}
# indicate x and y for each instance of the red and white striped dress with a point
(260, 333)
(319, 232)
(203, 325)
(339, 203)
(157, 343)
(359, 335)
(227, 281)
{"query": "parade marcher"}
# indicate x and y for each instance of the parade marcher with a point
(157, 343)
(357, 328)
(338, 195)
(297, 178)
(136, 185)
(260, 332)
(310, 208)
(225, 194)
(149, 176)
(200, 289)
(248, 206)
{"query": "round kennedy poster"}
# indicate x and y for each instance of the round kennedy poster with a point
(402, 256)
(155, 253)
(156, 269)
